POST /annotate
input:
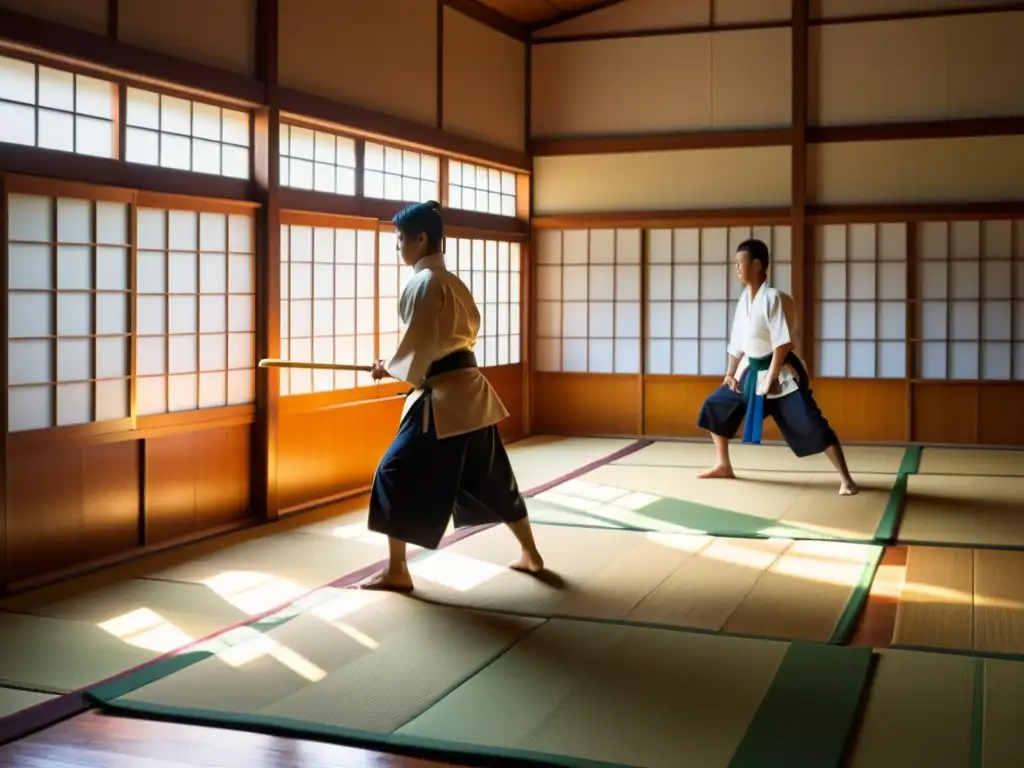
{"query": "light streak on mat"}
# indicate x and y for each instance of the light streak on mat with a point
(254, 592)
(455, 571)
(144, 628)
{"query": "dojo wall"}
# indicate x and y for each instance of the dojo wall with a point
(646, 116)
(409, 72)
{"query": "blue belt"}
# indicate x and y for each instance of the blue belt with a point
(754, 421)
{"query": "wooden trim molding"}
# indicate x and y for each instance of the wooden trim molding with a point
(926, 129)
(665, 219)
(659, 32)
(69, 167)
(933, 13)
(899, 212)
(366, 208)
(597, 145)
(813, 21)
(814, 216)
(372, 124)
(774, 137)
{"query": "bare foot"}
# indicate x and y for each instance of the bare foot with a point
(717, 471)
(848, 488)
(387, 581)
(528, 562)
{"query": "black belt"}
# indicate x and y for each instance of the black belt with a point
(456, 361)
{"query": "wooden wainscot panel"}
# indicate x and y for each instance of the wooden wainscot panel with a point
(945, 412)
(507, 381)
(70, 503)
(196, 481)
(333, 449)
(864, 410)
(586, 404)
(672, 405)
(1000, 413)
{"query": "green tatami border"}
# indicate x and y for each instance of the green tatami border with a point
(885, 533)
(911, 463)
(978, 715)
(968, 652)
(855, 605)
(807, 668)
(810, 711)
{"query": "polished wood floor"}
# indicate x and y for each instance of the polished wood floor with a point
(98, 741)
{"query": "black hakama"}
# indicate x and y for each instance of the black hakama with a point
(803, 427)
(422, 481)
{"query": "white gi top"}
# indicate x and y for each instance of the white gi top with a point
(442, 318)
(760, 326)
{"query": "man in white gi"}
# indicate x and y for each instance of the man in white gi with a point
(765, 377)
(447, 458)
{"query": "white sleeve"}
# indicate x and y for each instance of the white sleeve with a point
(420, 344)
(778, 326)
(739, 322)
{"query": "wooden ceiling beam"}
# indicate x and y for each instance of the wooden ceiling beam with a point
(487, 16)
(574, 14)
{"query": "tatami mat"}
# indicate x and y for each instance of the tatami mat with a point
(288, 559)
(55, 655)
(766, 458)
(972, 461)
(374, 666)
(364, 660)
(185, 610)
(542, 458)
(13, 700)
(642, 697)
(963, 510)
(967, 599)
(765, 588)
(936, 709)
(667, 499)
(919, 712)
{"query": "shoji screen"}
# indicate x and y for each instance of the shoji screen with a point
(861, 301)
(392, 276)
(328, 304)
(588, 300)
(692, 292)
(971, 286)
(68, 317)
(195, 310)
(491, 270)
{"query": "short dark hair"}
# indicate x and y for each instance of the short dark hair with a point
(422, 218)
(758, 252)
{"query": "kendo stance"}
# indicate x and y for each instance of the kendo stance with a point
(447, 457)
(765, 377)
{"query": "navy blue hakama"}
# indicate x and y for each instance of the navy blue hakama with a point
(803, 427)
(423, 481)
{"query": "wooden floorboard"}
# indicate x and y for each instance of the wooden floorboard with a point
(878, 620)
(92, 740)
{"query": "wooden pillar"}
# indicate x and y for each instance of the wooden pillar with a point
(913, 307)
(266, 168)
(113, 19)
(440, 67)
(4, 580)
(526, 271)
(802, 254)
